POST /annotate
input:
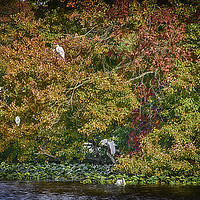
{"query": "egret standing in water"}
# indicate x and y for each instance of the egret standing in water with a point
(60, 51)
(120, 182)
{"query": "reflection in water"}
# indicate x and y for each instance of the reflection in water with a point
(77, 191)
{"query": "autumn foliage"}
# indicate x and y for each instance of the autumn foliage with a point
(127, 64)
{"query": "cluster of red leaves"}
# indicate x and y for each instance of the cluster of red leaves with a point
(120, 9)
(157, 50)
(144, 119)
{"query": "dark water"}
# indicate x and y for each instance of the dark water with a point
(76, 191)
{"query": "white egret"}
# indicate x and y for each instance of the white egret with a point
(120, 182)
(89, 147)
(104, 142)
(112, 147)
(60, 51)
(17, 120)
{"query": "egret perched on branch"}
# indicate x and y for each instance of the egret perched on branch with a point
(111, 145)
(60, 51)
(17, 120)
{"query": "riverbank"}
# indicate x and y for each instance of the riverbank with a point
(84, 173)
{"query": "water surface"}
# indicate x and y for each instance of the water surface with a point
(77, 191)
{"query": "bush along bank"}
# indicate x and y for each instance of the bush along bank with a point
(84, 173)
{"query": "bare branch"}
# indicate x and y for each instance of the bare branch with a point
(44, 153)
(74, 88)
(111, 158)
(81, 35)
(138, 77)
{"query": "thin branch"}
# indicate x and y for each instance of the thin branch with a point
(74, 88)
(72, 96)
(44, 153)
(96, 151)
(70, 101)
(111, 158)
(104, 39)
(138, 77)
(81, 35)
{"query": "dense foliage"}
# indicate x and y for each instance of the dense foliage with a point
(130, 73)
(84, 173)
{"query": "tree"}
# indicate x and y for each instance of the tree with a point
(60, 102)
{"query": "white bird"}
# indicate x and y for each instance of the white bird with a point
(120, 182)
(60, 51)
(17, 120)
(89, 147)
(104, 142)
(112, 147)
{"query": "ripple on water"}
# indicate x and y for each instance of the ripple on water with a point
(76, 191)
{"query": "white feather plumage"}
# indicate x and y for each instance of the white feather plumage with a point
(112, 147)
(60, 51)
(17, 120)
(120, 182)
